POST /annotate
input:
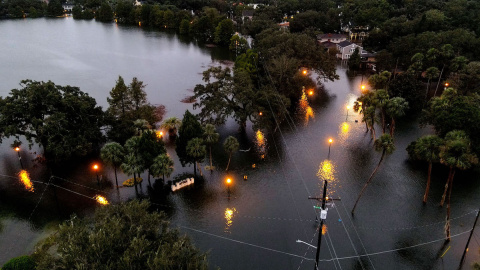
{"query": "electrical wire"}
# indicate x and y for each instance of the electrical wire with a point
(41, 197)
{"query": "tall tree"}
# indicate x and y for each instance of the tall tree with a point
(113, 153)
(396, 108)
(123, 236)
(231, 146)
(380, 99)
(224, 32)
(210, 137)
(196, 150)
(386, 145)
(456, 154)
(162, 166)
(133, 163)
(190, 128)
(150, 146)
(430, 73)
(63, 120)
(427, 148)
(354, 61)
(171, 124)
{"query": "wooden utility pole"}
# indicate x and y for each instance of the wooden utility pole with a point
(468, 242)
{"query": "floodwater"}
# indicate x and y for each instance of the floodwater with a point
(254, 223)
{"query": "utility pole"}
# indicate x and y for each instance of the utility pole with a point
(468, 242)
(323, 216)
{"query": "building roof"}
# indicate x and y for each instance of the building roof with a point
(330, 36)
(344, 43)
(247, 13)
(284, 24)
(328, 44)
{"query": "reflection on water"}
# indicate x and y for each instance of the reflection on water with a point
(25, 178)
(101, 200)
(229, 218)
(343, 132)
(326, 171)
(304, 108)
(261, 143)
(324, 229)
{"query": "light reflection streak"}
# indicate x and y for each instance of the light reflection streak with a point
(229, 218)
(304, 108)
(25, 178)
(261, 143)
(327, 171)
(344, 131)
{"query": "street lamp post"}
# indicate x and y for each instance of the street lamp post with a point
(228, 181)
(329, 145)
(95, 168)
(348, 108)
(17, 149)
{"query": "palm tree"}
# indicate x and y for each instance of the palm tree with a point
(197, 151)
(171, 124)
(132, 166)
(380, 100)
(428, 148)
(210, 137)
(140, 126)
(456, 154)
(386, 145)
(162, 165)
(431, 72)
(362, 103)
(396, 108)
(370, 118)
(230, 145)
(113, 153)
(133, 159)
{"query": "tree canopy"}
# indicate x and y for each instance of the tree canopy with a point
(65, 121)
(125, 236)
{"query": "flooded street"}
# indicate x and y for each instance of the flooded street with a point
(256, 221)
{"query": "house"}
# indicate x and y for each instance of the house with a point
(67, 8)
(346, 48)
(247, 15)
(333, 38)
(284, 25)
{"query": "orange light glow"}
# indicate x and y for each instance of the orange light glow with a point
(95, 167)
(260, 143)
(330, 140)
(229, 180)
(25, 178)
(159, 134)
(447, 84)
(260, 113)
(310, 92)
(101, 200)
(17, 148)
(348, 107)
(304, 72)
(324, 229)
(326, 198)
(363, 87)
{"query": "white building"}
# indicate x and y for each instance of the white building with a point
(346, 48)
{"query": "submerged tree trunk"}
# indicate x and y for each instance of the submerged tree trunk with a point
(446, 186)
(383, 120)
(195, 169)
(211, 168)
(229, 158)
(116, 179)
(150, 184)
(368, 181)
(439, 78)
(447, 225)
(427, 189)
(374, 137)
(392, 127)
(428, 88)
(135, 182)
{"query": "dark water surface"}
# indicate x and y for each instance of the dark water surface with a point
(258, 224)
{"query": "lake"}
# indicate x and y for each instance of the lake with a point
(257, 224)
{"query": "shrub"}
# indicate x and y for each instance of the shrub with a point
(20, 263)
(130, 182)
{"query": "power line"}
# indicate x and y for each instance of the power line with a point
(249, 244)
(41, 196)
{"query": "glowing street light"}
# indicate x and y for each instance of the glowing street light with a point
(362, 87)
(260, 113)
(17, 149)
(229, 182)
(310, 93)
(304, 72)
(101, 200)
(159, 134)
(96, 168)
(330, 141)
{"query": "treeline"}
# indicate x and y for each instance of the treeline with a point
(30, 8)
